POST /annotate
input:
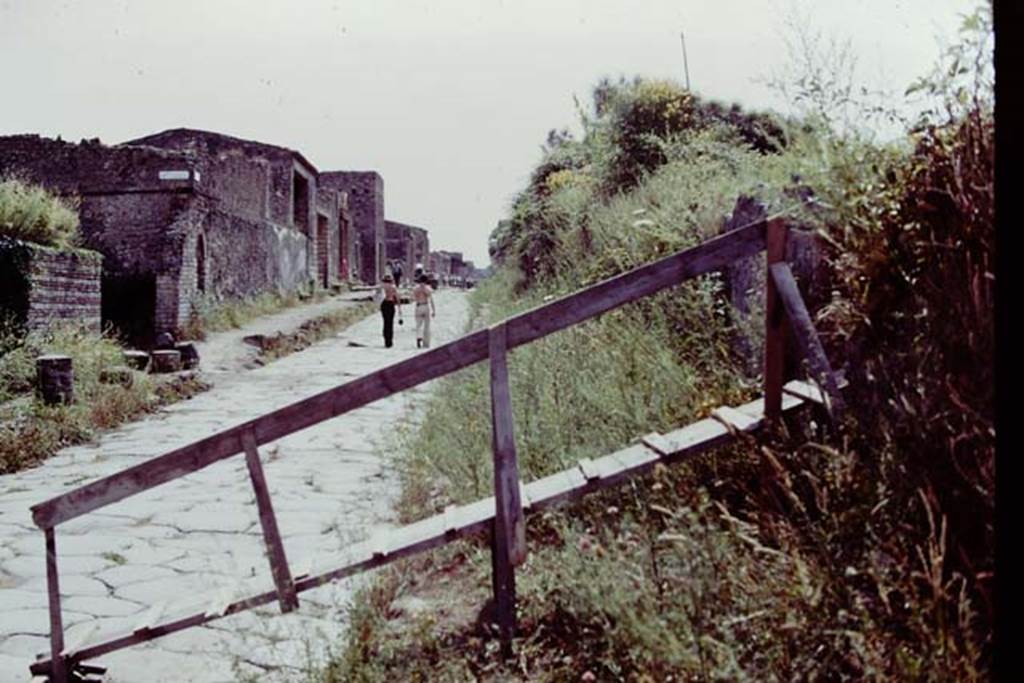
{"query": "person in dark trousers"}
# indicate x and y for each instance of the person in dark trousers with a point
(390, 302)
(396, 270)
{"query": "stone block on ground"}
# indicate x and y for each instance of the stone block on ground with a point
(189, 355)
(55, 379)
(138, 360)
(164, 341)
(165, 361)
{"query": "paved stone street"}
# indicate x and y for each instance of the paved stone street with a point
(330, 486)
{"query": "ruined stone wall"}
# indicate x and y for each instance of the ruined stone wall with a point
(245, 257)
(42, 285)
(239, 184)
(92, 167)
(366, 202)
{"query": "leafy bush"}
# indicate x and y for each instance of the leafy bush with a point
(33, 214)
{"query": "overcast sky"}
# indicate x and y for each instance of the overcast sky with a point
(449, 100)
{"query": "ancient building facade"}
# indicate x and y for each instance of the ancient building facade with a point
(406, 244)
(187, 216)
(365, 191)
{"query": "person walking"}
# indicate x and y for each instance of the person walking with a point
(396, 270)
(389, 303)
(425, 310)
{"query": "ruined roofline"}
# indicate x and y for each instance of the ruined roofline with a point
(86, 143)
(197, 132)
(399, 224)
(350, 174)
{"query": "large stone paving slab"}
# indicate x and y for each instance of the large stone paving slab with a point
(331, 486)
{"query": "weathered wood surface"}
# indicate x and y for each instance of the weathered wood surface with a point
(467, 350)
(805, 334)
(508, 539)
(453, 523)
(53, 595)
(271, 536)
(775, 320)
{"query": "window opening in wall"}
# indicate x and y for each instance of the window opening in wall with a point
(321, 248)
(300, 202)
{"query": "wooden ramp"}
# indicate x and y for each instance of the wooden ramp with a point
(725, 426)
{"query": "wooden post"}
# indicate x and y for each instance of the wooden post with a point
(271, 536)
(508, 540)
(775, 328)
(806, 336)
(58, 672)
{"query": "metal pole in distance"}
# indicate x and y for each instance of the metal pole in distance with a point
(686, 65)
(508, 540)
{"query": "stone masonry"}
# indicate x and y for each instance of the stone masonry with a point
(365, 191)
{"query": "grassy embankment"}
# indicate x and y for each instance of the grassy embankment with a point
(860, 552)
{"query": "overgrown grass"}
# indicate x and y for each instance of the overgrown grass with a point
(31, 431)
(863, 551)
(32, 214)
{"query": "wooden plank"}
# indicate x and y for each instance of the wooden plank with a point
(271, 536)
(60, 672)
(657, 443)
(449, 519)
(735, 419)
(434, 531)
(381, 543)
(508, 541)
(806, 336)
(467, 350)
(589, 469)
(679, 440)
(775, 321)
(805, 390)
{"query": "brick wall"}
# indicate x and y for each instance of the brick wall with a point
(366, 203)
(43, 285)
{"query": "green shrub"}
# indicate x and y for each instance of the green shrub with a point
(33, 214)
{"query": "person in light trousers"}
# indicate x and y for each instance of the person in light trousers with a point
(425, 310)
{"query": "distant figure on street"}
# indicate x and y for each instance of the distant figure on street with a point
(389, 303)
(417, 272)
(425, 310)
(396, 270)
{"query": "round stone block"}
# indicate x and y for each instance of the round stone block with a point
(55, 379)
(189, 355)
(165, 361)
(139, 360)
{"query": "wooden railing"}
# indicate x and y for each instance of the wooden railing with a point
(507, 511)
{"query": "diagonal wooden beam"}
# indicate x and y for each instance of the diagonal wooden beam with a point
(271, 536)
(570, 310)
(805, 335)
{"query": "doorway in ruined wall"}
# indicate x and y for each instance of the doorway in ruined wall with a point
(200, 264)
(343, 247)
(128, 306)
(300, 202)
(321, 249)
